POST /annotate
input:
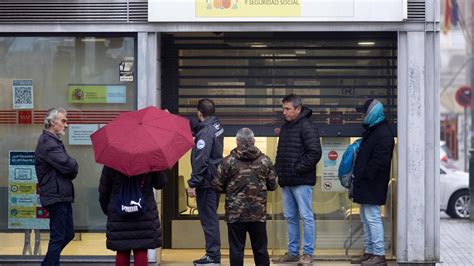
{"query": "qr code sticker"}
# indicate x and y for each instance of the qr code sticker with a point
(23, 95)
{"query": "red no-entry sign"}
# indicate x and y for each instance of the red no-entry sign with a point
(332, 155)
(463, 96)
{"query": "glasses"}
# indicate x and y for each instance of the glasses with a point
(63, 121)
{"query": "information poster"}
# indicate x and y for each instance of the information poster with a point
(333, 149)
(80, 134)
(125, 71)
(24, 207)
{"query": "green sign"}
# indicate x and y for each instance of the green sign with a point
(97, 93)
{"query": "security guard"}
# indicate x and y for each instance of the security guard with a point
(205, 156)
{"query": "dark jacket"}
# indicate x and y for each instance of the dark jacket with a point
(55, 170)
(299, 150)
(207, 152)
(245, 176)
(142, 232)
(372, 166)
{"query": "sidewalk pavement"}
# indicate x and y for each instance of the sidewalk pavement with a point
(457, 241)
(456, 237)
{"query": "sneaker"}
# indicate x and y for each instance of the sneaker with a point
(286, 258)
(305, 259)
(362, 258)
(376, 260)
(206, 260)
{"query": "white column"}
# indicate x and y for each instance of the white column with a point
(418, 147)
(147, 69)
(147, 85)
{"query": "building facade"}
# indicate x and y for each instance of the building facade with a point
(100, 58)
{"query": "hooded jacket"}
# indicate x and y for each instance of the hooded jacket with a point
(55, 170)
(125, 233)
(207, 152)
(245, 176)
(373, 163)
(299, 150)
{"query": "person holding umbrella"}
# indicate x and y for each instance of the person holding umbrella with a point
(205, 156)
(126, 233)
(135, 148)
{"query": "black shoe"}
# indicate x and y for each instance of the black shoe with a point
(207, 260)
(362, 258)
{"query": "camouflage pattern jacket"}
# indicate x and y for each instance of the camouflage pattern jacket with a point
(245, 176)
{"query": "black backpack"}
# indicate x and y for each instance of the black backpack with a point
(130, 201)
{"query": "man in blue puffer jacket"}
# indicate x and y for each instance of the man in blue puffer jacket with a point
(371, 178)
(299, 150)
(55, 170)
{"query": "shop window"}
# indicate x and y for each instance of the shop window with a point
(92, 77)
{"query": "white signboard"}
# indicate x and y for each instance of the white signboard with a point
(276, 10)
(333, 148)
(80, 134)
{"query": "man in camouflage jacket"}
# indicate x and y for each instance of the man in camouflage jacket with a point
(245, 176)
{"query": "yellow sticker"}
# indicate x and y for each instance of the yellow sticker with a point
(22, 212)
(23, 188)
(248, 8)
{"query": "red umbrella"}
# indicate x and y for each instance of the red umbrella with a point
(142, 141)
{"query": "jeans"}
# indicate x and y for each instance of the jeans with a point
(237, 233)
(61, 232)
(371, 218)
(207, 201)
(297, 204)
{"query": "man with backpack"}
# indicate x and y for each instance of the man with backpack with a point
(299, 150)
(205, 156)
(245, 176)
(371, 178)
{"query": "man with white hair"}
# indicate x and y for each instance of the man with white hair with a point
(55, 170)
(245, 176)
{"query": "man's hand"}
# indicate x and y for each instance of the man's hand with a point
(191, 192)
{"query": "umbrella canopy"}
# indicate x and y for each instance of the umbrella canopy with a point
(142, 141)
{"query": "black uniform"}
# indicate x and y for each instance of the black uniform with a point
(205, 156)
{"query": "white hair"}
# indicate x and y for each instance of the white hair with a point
(245, 136)
(51, 115)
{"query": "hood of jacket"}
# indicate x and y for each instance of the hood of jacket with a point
(374, 114)
(246, 153)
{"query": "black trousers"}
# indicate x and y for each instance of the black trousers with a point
(258, 238)
(61, 232)
(207, 201)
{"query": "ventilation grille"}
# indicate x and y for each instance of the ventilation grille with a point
(122, 11)
(416, 10)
